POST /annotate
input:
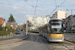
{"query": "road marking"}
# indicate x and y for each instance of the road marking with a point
(10, 45)
(6, 49)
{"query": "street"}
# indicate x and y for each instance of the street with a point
(70, 37)
(37, 25)
(37, 42)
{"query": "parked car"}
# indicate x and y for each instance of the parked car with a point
(17, 32)
(21, 29)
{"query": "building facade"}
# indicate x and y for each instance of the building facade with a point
(60, 14)
(70, 23)
(38, 21)
(2, 21)
(12, 24)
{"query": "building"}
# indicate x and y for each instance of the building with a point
(2, 21)
(60, 14)
(38, 21)
(4, 24)
(70, 23)
(12, 24)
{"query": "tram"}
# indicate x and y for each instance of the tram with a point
(53, 31)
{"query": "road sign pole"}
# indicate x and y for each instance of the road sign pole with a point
(26, 27)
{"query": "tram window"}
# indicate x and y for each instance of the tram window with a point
(55, 22)
(56, 30)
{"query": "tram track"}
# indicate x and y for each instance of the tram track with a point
(67, 45)
(64, 45)
(59, 44)
(70, 43)
(38, 42)
(43, 42)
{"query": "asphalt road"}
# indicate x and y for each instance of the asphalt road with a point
(36, 42)
(22, 34)
(70, 37)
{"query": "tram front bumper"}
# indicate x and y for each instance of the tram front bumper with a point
(56, 39)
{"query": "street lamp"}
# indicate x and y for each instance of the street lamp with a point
(26, 21)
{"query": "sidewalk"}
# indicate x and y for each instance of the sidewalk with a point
(8, 36)
(70, 37)
(9, 40)
(4, 42)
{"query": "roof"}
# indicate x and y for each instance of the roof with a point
(55, 19)
(71, 16)
(1, 20)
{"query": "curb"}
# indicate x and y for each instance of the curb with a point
(8, 36)
(69, 40)
(12, 41)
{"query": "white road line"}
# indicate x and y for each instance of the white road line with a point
(10, 45)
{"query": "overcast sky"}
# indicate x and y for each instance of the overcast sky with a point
(21, 10)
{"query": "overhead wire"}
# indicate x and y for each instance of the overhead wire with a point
(29, 4)
(57, 6)
(55, 3)
(62, 3)
(35, 8)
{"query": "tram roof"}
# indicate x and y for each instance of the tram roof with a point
(55, 19)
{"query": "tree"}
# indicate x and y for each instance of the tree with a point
(11, 18)
(0, 27)
(30, 24)
(24, 27)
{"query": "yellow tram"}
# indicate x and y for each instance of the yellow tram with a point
(53, 31)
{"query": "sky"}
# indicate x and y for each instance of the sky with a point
(22, 9)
